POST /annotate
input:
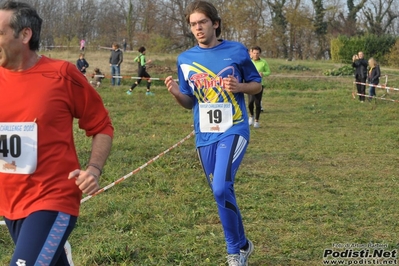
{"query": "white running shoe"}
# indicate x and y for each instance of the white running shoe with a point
(256, 124)
(68, 252)
(244, 254)
(250, 120)
(233, 259)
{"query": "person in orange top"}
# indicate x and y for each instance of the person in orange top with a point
(41, 180)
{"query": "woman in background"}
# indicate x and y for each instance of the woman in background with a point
(374, 74)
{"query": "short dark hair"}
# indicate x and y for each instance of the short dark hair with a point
(257, 48)
(208, 10)
(24, 16)
(141, 49)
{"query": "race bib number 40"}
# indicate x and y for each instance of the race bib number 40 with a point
(215, 117)
(18, 147)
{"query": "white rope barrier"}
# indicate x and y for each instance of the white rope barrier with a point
(378, 86)
(271, 76)
(133, 172)
(382, 86)
(137, 169)
(373, 97)
(123, 77)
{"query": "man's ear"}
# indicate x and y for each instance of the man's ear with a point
(26, 34)
(216, 24)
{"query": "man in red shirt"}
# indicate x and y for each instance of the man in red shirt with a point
(41, 181)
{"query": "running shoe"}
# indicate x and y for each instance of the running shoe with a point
(233, 260)
(250, 120)
(68, 252)
(128, 92)
(256, 124)
(244, 254)
(149, 93)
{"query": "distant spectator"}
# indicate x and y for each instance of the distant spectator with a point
(360, 65)
(82, 64)
(373, 77)
(82, 44)
(97, 77)
(124, 43)
(115, 61)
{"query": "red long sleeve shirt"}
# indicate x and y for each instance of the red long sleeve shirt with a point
(50, 95)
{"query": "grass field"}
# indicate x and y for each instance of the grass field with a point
(321, 171)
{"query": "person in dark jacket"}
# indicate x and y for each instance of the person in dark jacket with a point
(360, 65)
(373, 76)
(115, 61)
(82, 64)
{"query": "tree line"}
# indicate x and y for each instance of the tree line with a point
(296, 29)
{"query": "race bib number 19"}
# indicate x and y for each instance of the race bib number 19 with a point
(215, 117)
(18, 147)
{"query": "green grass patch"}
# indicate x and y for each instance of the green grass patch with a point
(321, 170)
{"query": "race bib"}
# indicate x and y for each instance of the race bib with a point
(215, 117)
(18, 147)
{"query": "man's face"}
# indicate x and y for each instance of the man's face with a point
(203, 29)
(361, 55)
(255, 54)
(10, 47)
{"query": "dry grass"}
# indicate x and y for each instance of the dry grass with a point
(320, 171)
(162, 65)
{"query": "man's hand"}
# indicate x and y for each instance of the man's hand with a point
(85, 180)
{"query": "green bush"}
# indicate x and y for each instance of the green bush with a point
(378, 47)
(158, 44)
(393, 55)
(336, 46)
(295, 68)
(343, 47)
(342, 71)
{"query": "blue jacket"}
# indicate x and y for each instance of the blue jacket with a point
(82, 65)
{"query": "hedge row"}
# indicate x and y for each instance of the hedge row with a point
(379, 47)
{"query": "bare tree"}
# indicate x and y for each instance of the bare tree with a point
(380, 16)
(279, 25)
(110, 22)
(86, 14)
(242, 20)
(320, 26)
(350, 27)
(295, 20)
(174, 25)
(394, 27)
(51, 28)
(70, 21)
(283, 28)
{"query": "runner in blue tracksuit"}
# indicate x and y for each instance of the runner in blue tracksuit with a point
(213, 78)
